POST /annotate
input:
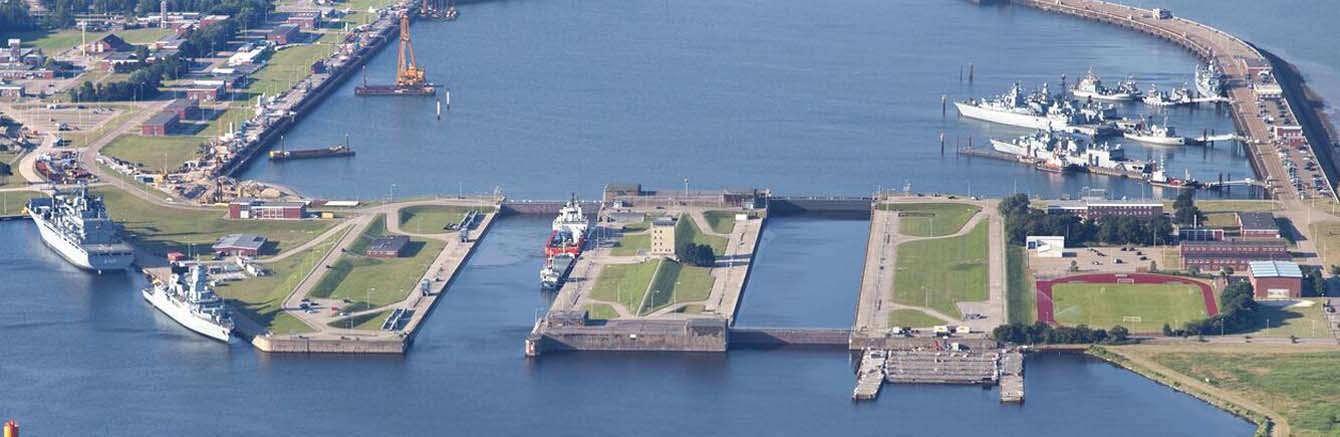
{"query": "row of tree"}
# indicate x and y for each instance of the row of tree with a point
(14, 17)
(1042, 333)
(1021, 220)
(204, 41)
(142, 83)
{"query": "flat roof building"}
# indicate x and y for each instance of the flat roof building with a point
(1234, 253)
(240, 244)
(284, 34)
(260, 209)
(390, 246)
(663, 236)
(1097, 209)
(160, 124)
(1276, 280)
(1258, 225)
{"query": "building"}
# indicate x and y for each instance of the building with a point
(1098, 209)
(206, 92)
(240, 245)
(390, 246)
(284, 34)
(160, 124)
(1237, 254)
(1290, 134)
(260, 209)
(109, 43)
(11, 91)
(120, 62)
(1046, 246)
(614, 191)
(1258, 225)
(1276, 280)
(663, 236)
(304, 19)
(1199, 234)
(185, 109)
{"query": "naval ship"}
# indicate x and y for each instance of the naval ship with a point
(1091, 87)
(1210, 80)
(76, 226)
(1040, 110)
(189, 301)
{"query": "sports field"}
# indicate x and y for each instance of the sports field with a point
(1138, 307)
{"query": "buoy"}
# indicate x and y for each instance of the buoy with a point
(439, 109)
(448, 100)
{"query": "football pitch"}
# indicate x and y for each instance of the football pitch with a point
(1138, 307)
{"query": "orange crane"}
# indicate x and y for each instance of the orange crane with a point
(408, 73)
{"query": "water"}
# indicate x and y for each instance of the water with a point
(552, 97)
(805, 273)
(85, 355)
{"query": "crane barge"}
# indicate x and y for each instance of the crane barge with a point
(410, 79)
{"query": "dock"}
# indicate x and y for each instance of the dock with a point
(1264, 121)
(1012, 377)
(657, 322)
(870, 375)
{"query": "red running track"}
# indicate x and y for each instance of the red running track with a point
(1044, 289)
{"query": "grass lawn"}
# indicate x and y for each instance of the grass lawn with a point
(431, 219)
(156, 154)
(629, 244)
(366, 322)
(1106, 305)
(1221, 220)
(939, 272)
(677, 283)
(1327, 236)
(1208, 206)
(931, 219)
(722, 222)
(1301, 320)
(1303, 386)
(600, 311)
(687, 230)
(53, 42)
(12, 202)
(358, 10)
(290, 65)
(161, 230)
(624, 283)
(637, 227)
(1020, 292)
(913, 318)
(377, 281)
(261, 297)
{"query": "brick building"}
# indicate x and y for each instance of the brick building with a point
(1209, 256)
(1097, 209)
(160, 124)
(284, 34)
(240, 245)
(391, 246)
(1258, 225)
(1276, 280)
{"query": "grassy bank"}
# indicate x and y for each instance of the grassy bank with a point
(721, 222)
(155, 154)
(1020, 292)
(931, 219)
(161, 230)
(677, 283)
(374, 282)
(625, 284)
(431, 219)
(629, 245)
(687, 231)
(939, 272)
(260, 298)
(913, 318)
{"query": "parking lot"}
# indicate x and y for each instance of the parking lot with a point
(1101, 259)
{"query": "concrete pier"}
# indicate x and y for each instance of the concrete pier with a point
(870, 375)
(696, 325)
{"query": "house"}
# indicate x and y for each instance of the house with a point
(160, 124)
(390, 246)
(108, 44)
(304, 19)
(260, 209)
(184, 108)
(239, 245)
(1234, 253)
(284, 34)
(205, 92)
(120, 62)
(1276, 280)
(663, 236)
(1258, 225)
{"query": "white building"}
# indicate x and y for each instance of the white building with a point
(1046, 246)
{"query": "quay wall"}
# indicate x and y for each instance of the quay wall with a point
(351, 345)
(854, 207)
(1320, 134)
(626, 337)
(775, 337)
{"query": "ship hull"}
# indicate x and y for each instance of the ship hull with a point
(1162, 141)
(76, 255)
(1116, 97)
(1008, 147)
(182, 315)
(1009, 118)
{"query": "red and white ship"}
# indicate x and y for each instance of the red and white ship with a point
(569, 231)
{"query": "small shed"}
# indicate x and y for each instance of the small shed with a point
(240, 244)
(391, 246)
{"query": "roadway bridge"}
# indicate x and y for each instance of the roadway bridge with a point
(774, 337)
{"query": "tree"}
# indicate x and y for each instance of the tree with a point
(1318, 282)
(1335, 270)
(1226, 271)
(1167, 330)
(1014, 204)
(1074, 266)
(1118, 334)
(1185, 211)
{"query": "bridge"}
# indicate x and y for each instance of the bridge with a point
(775, 337)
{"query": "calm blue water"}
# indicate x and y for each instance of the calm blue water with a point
(85, 355)
(553, 97)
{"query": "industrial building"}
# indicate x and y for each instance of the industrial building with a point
(240, 245)
(391, 246)
(260, 209)
(109, 43)
(1276, 280)
(663, 236)
(184, 108)
(160, 124)
(1199, 234)
(1233, 253)
(284, 34)
(304, 19)
(1258, 225)
(1097, 209)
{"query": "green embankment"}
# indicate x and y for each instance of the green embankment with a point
(600, 311)
(1304, 387)
(687, 231)
(373, 282)
(155, 154)
(937, 273)
(913, 319)
(12, 202)
(431, 219)
(1304, 319)
(161, 230)
(1138, 307)
(1020, 291)
(722, 222)
(628, 245)
(368, 322)
(625, 284)
(676, 283)
(931, 219)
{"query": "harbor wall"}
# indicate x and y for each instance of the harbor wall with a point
(845, 207)
(632, 336)
(1310, 115)
(777, 337)
(348, 345)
